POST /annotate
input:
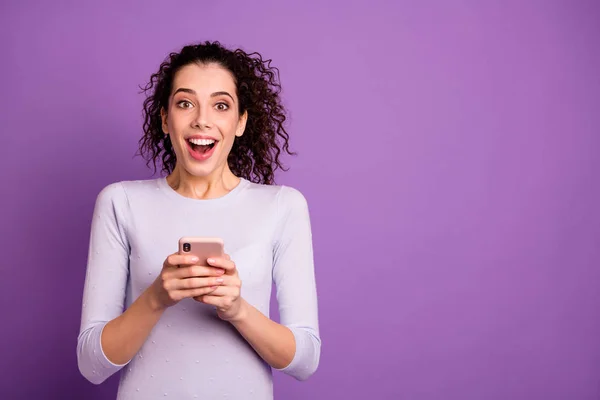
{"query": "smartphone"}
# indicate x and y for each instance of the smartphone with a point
(201, 247)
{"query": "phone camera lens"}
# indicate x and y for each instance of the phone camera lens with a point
(186, 247)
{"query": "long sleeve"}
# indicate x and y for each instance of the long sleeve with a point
(294, 276)
(105, 282)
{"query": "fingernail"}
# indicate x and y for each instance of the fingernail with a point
(220, 280)
(210, 260)
(195, 259)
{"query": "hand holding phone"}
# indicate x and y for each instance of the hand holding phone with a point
(183, 277)
(227, 296)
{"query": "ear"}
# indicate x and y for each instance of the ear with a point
(163, 116)
(242, 124)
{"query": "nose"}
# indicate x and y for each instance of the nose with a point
(202, 118)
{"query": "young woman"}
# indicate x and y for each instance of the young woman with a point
(176, 328)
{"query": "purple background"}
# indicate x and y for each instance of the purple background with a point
(448, 150)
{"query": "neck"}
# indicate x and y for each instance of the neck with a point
(203, 188)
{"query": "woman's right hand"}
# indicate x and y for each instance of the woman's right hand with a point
(182, 277)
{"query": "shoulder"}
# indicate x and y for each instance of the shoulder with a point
(111, 193)
(125, 188)
(285, 196)
(291, 198)
(291, 203)
(119, 193)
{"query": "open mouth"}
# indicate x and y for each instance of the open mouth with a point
(201, 149)
(201, 145)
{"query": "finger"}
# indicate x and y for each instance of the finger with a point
(224, 263)
(223, 291)
(195, 293)
(194, 283)
(232, 281)
(197, 271)
(193, 271)
(226, 291)
(175, 260)
(217, 301)
(229, 280)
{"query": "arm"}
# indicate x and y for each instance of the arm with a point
(272, 341)
(294, 346)
(108, 337)
(124, 336)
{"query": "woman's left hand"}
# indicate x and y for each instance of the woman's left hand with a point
(227, 296)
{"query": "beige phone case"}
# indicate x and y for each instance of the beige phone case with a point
(201, 247)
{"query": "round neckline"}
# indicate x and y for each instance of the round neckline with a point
(170, 192)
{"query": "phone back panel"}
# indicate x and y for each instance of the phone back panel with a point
(201, 247)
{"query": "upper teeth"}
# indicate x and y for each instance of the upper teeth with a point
(202, 142)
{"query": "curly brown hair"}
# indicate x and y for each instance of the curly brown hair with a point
(256, 154)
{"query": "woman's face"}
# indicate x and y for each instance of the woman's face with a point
(202, 118)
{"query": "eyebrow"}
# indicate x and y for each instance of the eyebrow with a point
(215, 94)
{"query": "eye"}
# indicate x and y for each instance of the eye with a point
(222, 106)
(184, 104)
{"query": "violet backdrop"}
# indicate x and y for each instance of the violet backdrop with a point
(448, 151)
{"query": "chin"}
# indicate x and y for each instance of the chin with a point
(200, 171)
